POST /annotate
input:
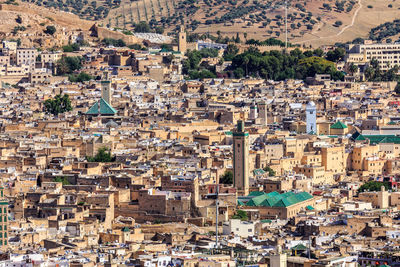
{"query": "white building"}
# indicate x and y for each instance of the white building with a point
(239, 228)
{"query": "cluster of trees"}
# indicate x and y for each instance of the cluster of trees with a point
(269, 41)
(192, 66)
(81, 77)
(278, 65)
(373, 73)
(113, 42)
(58, 105)
(71, 47)
(226, 178)
(82, 8)
(102, 155)
(374, 186)
(385, 30)
(68, 65)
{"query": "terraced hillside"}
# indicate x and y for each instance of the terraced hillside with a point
(312, 22)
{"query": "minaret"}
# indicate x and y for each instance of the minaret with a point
(241, 160)
(182, 40)
(311, 118)
(262, 113)
(106, 91)
(253, 111)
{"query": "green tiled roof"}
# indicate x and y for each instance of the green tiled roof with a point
(105, 108)
(338, 125)
(274, 199)
(258, 172)
(385, 139)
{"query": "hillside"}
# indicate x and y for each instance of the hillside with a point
(310, 22)
(27, 22)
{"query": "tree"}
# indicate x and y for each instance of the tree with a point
(81, 77)
(227, 178)
(374, 186)
(62, 179)
(397, 88)
(67, 65)
(353, 68)
(103, 155)
(336, 55)
(270, 171)
(50, 30)
(142, 27)
(230, 52)
(241, 215)
(159, 30)
(58, 105)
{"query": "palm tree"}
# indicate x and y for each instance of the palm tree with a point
(353, 68)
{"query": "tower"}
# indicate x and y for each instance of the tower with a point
(262, 112)
(3, 220)
(241, 159)
(383, 198)
(253, 112)
(311, 118)
(106, 91)
(182, 40)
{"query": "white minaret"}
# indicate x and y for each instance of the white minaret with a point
(311, 118)
(262, 112)
(253, 111)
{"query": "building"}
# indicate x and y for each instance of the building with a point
(3, 220)
(311, 118)
(274, 205)
(241, 159)
(239, 228)
(182, 43)
(387, 55)
(262, 112)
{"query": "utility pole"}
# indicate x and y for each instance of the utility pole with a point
(216, 217)
(286, 39)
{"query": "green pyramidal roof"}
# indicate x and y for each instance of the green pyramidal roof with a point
(105, 108)
(338, 125)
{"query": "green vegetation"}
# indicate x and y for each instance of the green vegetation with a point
(18, 28)
(276, 65)
(192, 67)
(71, 47)
(58, 105)
(270, 171)
(142, 27)
(336, 55)
(373, 73)
(103, 155)
(385, 30)
(137, 47)
(269, 41)
(50, 30)
(81, 77)
(373, 186)
(67, 65)
(62, 179)
(114, 42)
(338, 23)
(230, 52)
(227, 178)
(241, 214)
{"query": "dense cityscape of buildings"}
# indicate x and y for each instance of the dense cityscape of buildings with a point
(150, 169)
